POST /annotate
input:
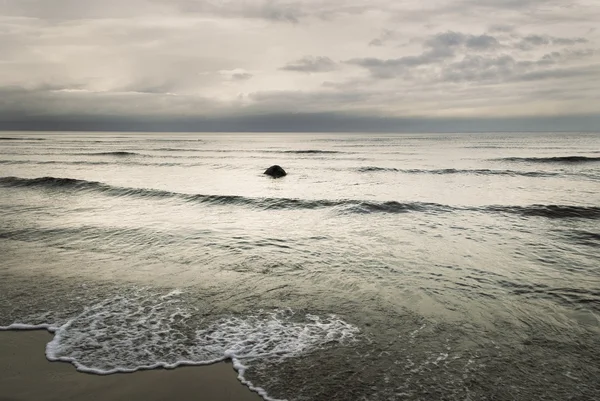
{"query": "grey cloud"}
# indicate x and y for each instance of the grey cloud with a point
(551, 56)
(441, 50)
(314, 101)
(581, 53)
(391, 68)
(309, 122)
(482, 42)
(439, 47)
(311, 64)
(517, 13)
(531, 41)
(282, 11)
(149, 87)
(242, 76)
(535, 40)
(324, 110)
(508, 4)
(291, 11)
(568, 41)
(385, 36)
(270, 10)
(477, 10)
(479, 68)
(452, 39)
(446, 39)
(501, 28)
(558, 73)
(43, 87)
(474, 68)
(279, 11)
(50, 101)
(504, 68)
(76, 9)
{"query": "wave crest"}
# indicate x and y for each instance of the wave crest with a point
(312, 151)
(341, 205)
(116, 153)
(557, 159)
(550, 211)
(373, 169)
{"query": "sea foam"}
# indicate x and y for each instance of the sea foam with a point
(146, 330)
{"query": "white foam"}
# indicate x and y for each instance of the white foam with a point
(172, 294)
(148, 331)
(23, 326)
(274, 335)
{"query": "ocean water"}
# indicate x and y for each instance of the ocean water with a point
(382, 267)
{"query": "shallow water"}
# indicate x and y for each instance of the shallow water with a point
(383, 267)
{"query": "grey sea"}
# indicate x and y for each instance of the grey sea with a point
(382, 267)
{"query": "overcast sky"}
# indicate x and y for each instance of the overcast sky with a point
(300, 64)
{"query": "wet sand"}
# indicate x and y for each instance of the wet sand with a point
(26, 375)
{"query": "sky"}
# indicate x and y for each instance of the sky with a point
(300, 65)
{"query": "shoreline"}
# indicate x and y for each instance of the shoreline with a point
(26, 375)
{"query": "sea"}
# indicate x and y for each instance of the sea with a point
(382, 267)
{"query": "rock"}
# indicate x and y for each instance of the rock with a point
(275, 171)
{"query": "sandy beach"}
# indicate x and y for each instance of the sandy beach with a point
(25, 374)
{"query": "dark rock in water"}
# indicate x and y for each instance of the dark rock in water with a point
(275, 171)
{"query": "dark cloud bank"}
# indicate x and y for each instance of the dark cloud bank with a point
(309, 122)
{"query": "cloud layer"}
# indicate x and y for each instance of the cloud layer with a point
(184, 61)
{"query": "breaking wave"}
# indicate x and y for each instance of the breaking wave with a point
(266, 203)
(357, 206)
(373, 169)
(549, 211)
(147, 330)
(558, 159)
(100, 163)
(6, 138)
(312, 151)
(118, 153)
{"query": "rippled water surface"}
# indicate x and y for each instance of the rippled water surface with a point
(382, 267)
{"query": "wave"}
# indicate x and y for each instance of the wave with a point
(549, 211)
(177, 150)
(310, 151)
(97, 163)
(557, 159)
(50, 182)
(151, 330)
(117, 153)
(53, 162)
(342, 205)
(7, 138)
(358, 206)
(588, 235)
(197, 150)
(582, 237)
(169, 140)
(459, 171)
(376, 169)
